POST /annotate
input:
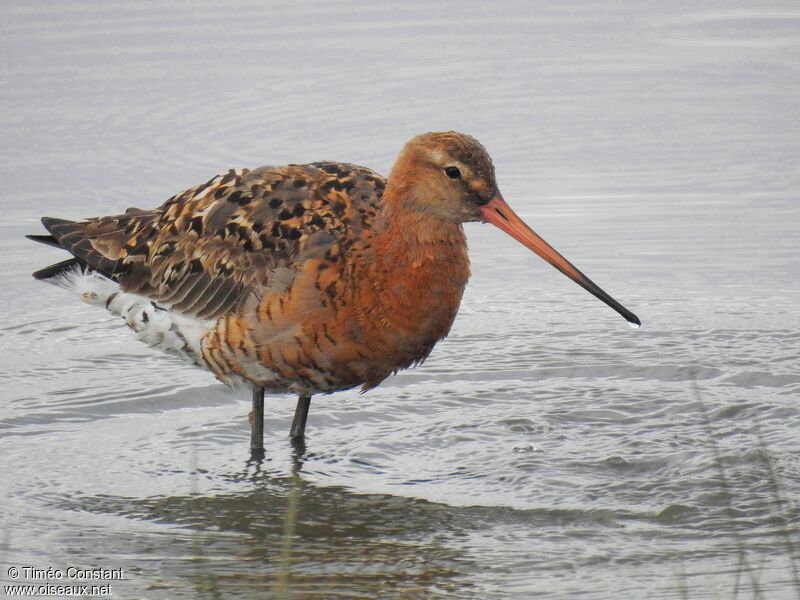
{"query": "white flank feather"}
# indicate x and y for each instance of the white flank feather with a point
(154, 325)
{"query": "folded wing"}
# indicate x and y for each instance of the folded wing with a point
(208, 249)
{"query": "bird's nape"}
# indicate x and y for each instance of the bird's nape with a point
(499, 213)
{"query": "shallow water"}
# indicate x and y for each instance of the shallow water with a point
(544, 449)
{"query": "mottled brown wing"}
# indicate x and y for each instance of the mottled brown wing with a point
(206, 250)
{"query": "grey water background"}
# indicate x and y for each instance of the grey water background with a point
(544, 449)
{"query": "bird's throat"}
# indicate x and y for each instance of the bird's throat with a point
(420, 269)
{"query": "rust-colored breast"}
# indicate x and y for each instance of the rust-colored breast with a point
(350, 317)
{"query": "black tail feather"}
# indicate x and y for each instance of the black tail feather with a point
(72, 237)
(57, 228)
(44, 239)
(57, 269)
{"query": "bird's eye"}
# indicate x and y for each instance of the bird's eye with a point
(452, 172)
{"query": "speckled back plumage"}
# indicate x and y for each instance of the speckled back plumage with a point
(204, 251)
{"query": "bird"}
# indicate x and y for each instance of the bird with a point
(305, 279)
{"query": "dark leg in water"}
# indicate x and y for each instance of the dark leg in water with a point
(298, 431)
(257, 423)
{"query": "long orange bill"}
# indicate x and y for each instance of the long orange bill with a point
(498, 213)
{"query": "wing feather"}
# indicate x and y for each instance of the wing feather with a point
(208, 249)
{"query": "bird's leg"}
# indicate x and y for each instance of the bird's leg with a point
(257, 422)
(298, 431)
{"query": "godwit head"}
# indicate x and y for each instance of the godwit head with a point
(450, 175)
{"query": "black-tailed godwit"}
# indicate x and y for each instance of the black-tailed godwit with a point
(304, 279)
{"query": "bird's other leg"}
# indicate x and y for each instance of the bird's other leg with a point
(298, 431)
(257, 422)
